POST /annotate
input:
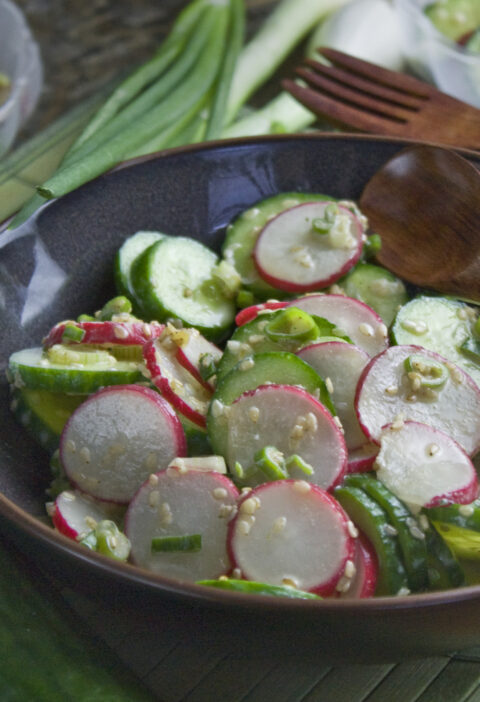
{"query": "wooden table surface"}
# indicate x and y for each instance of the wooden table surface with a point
(84, 45)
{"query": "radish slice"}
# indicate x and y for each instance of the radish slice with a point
(291, 532)
(109, 333)
(364, 582)
(293, 421)
(292, 255)
(362, 459)
(195, 353)
(74, 514)
(425, 467)
(178, 386)
(340, 365)
(176, 503)
(364, 326)
(387, 390)
(116, 438)
(249, 313)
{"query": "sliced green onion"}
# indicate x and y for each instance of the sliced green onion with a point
(207, 366)
(85, 318)
(296, 462)
(117, 305)
(73, 333)
(245, 298)
(271, 462)
(292, 323)
(471, 349)
(187, 543)
(431, 373)
(107, 539)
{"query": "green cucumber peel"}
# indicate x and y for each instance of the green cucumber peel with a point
(255, 588)
(186, 543)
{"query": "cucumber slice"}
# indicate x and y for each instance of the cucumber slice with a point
(173, 280)
(377, 288)
(131, 249)
(44, 413)
(31, 368)
(197, 438)
(279, 367)
(439, 324)
(373, 521)
(251, 587)
(411, 538)
(454, 18)
(242, 234)
(444, 571)
(459, 526)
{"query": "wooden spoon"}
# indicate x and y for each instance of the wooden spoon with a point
(425, 204)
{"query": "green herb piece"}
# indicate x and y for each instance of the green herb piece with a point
(187, 543)
(271, 462)
(296, 462)
(73, 333)
(117, 305)
(430, 373)
(292, 324)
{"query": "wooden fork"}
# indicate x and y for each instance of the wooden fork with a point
(350, 92)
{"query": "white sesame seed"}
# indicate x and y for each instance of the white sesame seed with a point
(237, 573)
(343, 584)
(466, 510)
(366, 329)
(392, 390)
(90, 522)
(154, 498)
(150, 461)
(350, 569)
(254, 414)
(85, 454)
(279, 525)
(311, 422)
(423, 522)
(153, 479)
(381, 331)
(243, 527)
(255, 339)
(432, 449)
(301, 486)
(70, 445)
(249, 506)
(165, 513)
(338, 422)
(403, 591)
(289, 581)
(219, 493)
(246, 364)
(352, 529)
(390, 530)
(329, 385)
(120, 332)
(417, 533)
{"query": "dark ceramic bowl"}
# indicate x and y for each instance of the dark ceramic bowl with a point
(60, 264)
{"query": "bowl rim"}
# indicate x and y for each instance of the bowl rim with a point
(147, 581)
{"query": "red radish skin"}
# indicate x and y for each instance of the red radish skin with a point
(177, 502)
(250, 313)
(425, 467)
(175, 383)
(108, 333)
(384, 394)
(362, 324)
(364, 581)
(114, 440)
(190, 353)
(74, 514)
(362, 459)
(291, 532)
(293, 421)
(292, 257)
(340, 365)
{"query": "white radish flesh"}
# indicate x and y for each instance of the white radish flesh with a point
(362, 324)
(292, 256)
(74, 514)
(293, 421)
(196, 351)
(116, 438)
(176, 503)
(181, 388)
(294, 533)
(387, 391)
(362, 458)
(425, 467)
(340, 365)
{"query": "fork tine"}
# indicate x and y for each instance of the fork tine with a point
(351, 96)
(389, 95)
(341, 114)
(401, 82)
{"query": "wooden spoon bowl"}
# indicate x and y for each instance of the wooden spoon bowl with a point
(425, 204)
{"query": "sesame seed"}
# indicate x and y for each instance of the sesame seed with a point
(336, 290)
(220, 493)
(70, 445)
(466, 510)
(343, 584)
(417, 533)
(329, 384)
(69, 496)
(398, 421)
(246, 364)
(352, 529)
(337, 421)
(279, 525)
(350, 569)
(153, 479)
(403, 591)
(151, 461)
(85, 454)
(381, 331)
(243, 527)
(255, 339)
(366, 329)
(245, 490)
(432, 449)
(154, 498)
(227, 511)
(254, 414)
(90, 522)
(301, 486)
(390, 530)
(237, 573)
(249, 506)
(423, 522)
(147, 330)
(392, 390)
(289, 581)
(165, 513)
(120, 332)
(218, 408)
(311, 422)
(251, 213)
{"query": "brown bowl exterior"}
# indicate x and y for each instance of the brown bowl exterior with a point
(59, 264)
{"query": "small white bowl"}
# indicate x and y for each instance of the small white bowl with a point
(434, 57)
(20, 61)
